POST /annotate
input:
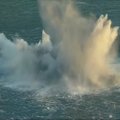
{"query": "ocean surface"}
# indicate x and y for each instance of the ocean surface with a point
(21, 18)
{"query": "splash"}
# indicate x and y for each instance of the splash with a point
(74, 57)
(84, 44)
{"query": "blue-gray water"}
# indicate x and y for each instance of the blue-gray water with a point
(21, 18)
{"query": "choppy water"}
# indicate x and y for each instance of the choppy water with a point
(21, 18)
(22, 105)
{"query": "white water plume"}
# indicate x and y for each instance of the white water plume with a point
(83, 44)
(74, 57)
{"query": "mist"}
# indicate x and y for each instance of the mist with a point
(74, 54)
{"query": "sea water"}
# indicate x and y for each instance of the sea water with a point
(20, 22)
